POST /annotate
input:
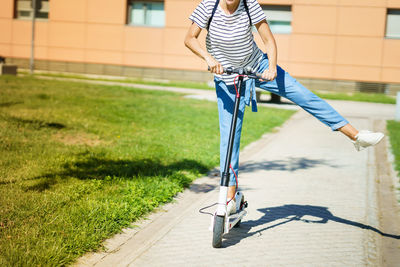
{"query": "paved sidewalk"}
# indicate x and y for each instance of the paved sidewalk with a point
(312, 202)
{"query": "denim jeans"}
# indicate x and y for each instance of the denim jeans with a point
(285, 86)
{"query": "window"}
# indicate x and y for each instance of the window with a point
(279, 18)
(146, 13)
(393, 23)
(23, 9)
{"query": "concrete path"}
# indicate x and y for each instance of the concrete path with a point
(313, 201)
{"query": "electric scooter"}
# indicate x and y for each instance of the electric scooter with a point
(222, 222)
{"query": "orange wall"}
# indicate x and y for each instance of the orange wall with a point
(331, 39)
(340, 39)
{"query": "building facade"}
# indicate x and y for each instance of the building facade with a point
(352, 41)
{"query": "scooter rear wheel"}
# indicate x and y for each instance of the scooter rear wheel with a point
(218, 231)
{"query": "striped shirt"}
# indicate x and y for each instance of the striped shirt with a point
(230, 39)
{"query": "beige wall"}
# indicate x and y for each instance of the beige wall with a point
(331, 39)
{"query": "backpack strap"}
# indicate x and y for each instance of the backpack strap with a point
(247, 11)
(216, 6)
(212, 14)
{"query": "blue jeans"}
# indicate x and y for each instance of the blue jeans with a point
(285, 86)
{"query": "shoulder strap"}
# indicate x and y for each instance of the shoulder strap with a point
(216, 6)
(247, 11)
(212, 14)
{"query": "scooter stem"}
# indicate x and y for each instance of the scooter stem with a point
(223, 192)
(225, 175)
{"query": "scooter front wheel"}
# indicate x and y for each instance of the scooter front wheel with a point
(218, 231)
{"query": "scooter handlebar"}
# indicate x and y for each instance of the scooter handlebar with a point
(242, 71)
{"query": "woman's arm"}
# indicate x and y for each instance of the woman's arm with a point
(270, 45)
(192, 42)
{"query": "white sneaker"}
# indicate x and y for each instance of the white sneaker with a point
(231, 208)
(366, 139)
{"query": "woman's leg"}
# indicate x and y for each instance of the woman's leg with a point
(226, 100)
(349, 131)
(288, 87)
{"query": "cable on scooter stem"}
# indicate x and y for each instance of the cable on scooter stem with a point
(234, 83)
(230, 165)
(236, 188)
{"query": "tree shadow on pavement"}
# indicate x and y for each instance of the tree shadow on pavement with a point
(288, 213)
(290, 164)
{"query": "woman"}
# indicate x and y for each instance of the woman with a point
(230, 43)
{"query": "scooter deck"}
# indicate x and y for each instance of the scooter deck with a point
(234, 218)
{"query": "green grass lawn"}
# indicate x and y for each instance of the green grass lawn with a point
(393, 128)
(182, 84)
(360, 97)
(78, 162)
(354, 96)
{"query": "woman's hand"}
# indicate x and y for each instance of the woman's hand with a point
(215, 66)
(269, 74)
